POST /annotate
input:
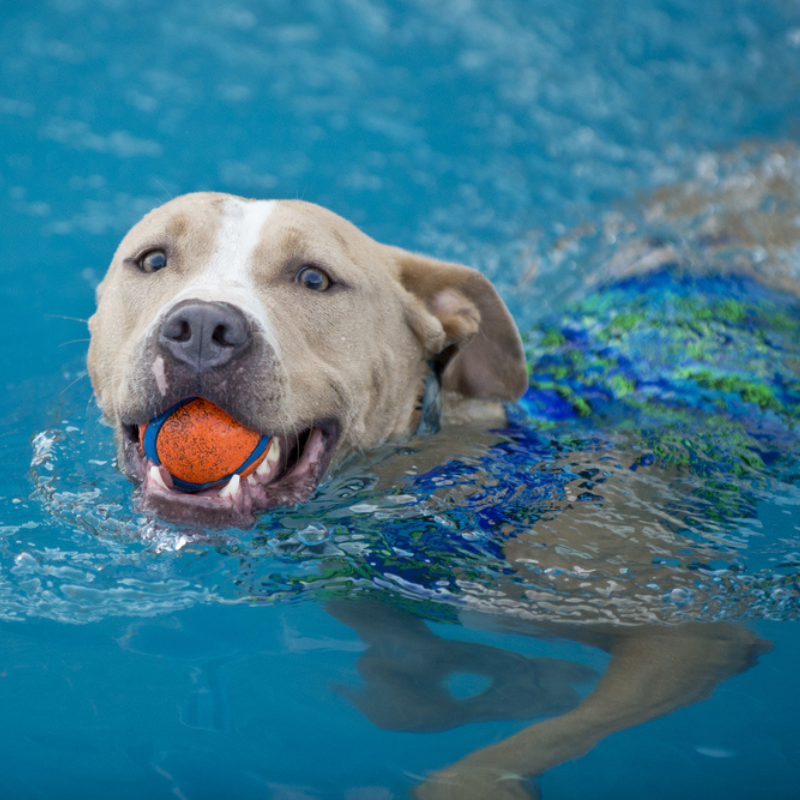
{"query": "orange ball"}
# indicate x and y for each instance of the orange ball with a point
(201, 445)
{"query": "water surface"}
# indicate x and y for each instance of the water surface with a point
(559, 147)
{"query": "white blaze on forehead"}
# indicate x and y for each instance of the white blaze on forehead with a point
(239, 235)
(228, 275)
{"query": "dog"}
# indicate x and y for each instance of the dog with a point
(305, 329)
(298, 325)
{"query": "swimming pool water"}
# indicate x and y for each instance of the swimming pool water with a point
(550, 144)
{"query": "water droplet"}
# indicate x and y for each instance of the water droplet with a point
(363, 508)
(313, 534)
(715, 752)
(26, 560)
(681, 595)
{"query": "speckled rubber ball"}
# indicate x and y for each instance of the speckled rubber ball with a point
(201, 445)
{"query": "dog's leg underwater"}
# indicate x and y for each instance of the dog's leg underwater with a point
(652, 672)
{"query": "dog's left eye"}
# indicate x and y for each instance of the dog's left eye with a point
(314, 279)
(153, 261)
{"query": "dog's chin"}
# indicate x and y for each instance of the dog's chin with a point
(287, 480)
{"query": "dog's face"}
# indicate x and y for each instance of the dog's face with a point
(299, 326)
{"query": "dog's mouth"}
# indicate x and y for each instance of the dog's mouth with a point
(289, 475)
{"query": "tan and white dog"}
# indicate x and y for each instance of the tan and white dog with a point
(301, 327)
(304, 328)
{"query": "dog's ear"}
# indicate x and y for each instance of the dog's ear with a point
(465, 326)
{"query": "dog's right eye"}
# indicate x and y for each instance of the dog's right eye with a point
(153, 261)
(314, 279)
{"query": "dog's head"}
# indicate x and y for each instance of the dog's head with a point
(299, 326)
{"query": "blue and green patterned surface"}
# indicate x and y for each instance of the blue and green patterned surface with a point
(671, 348)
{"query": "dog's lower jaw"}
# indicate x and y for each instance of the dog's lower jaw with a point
(304, 462)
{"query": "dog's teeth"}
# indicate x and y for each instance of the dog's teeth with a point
(251, 479)
(231, 488)
(270, 460)
(155, 475)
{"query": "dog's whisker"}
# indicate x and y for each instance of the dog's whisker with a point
(75, 341)
(89, 402)
(81, 376)
(166, 191)
(63, 316)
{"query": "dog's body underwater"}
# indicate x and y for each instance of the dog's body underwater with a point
(298, 325)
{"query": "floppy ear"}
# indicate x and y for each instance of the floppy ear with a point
(465, 327)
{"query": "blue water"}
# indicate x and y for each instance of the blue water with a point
(549, 144)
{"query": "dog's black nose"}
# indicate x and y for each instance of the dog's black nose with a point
(204, 335)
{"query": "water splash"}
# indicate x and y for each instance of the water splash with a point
(494, 528)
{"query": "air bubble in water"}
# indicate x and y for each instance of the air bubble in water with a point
(313, 534)
(26, 561)
(681, 595)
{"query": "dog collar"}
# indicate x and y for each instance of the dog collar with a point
(430, 408)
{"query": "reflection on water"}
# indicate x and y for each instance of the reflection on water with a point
(415, 681)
